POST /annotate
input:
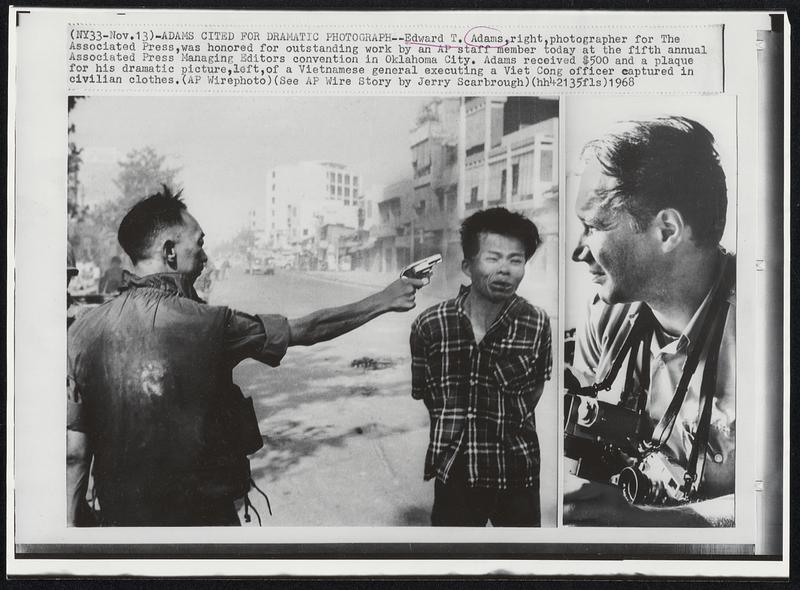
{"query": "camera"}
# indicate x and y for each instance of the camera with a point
(654, 480)
(604, 442)
(600, 438)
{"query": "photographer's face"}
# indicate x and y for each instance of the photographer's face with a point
(497, 269)
(621, 259)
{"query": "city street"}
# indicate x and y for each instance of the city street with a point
(344, 445)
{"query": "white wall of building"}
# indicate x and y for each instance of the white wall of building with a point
(301, 197)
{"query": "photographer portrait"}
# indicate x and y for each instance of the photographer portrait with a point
(650, 412)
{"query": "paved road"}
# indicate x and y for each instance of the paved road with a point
(344, 446)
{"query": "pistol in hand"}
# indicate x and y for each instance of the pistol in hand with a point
(421, 269)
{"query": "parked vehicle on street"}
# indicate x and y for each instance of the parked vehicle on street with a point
(262, 265)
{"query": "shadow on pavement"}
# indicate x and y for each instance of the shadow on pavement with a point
(414, 516)
(289, 441)
(321, 379)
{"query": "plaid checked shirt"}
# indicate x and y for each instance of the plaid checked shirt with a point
(481, 397)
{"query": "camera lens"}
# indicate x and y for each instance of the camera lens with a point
(634, 485)
(588, 410)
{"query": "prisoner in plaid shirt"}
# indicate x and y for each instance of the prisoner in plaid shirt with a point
(479, 362)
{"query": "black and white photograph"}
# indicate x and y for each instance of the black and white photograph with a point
(225, 258)
(396, 293)
(650, 385)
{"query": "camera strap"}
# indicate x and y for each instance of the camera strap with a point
(714, 321)
(640, 334)
(708, 388)
(718, 308)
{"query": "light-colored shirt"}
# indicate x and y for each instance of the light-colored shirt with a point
(604, 334)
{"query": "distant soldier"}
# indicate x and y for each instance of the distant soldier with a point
(113, 278)
(224, 269)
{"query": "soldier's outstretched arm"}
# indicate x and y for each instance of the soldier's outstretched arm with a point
(326, 324)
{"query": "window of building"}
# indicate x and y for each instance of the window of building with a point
(355, 180)
(523, 178)
(449, 154)
(496, 125)
(523, 111)
(452, 200)
(305, 232)
(347, 179)
(473, 197)
(496, 190)
(339, 190)
(503, 183)
(546, 166)
(475, 132)
(347, 191)
(347, 201)
(355, 193)
(474, 184)
(339, 177)
(421, 158)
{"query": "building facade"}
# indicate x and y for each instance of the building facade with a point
(305, 197)
(466, 154)
(469, 154)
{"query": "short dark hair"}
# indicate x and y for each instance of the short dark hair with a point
(147, 219)
(663, 163)
(498, 220)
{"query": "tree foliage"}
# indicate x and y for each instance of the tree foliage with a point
(74, 161)
(93, 235)
(142, 173)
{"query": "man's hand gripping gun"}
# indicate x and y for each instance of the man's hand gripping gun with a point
(422, 269)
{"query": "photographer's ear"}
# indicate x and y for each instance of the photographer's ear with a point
(170, 255)
(671, 228)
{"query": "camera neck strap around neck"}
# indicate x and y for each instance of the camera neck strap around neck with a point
(716, 314)
(709, 339)
(639, 339)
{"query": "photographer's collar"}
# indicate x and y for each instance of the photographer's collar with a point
(683, 343)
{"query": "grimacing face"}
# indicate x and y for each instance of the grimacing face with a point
(498, 267)
(621, 259)
(189, 240)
